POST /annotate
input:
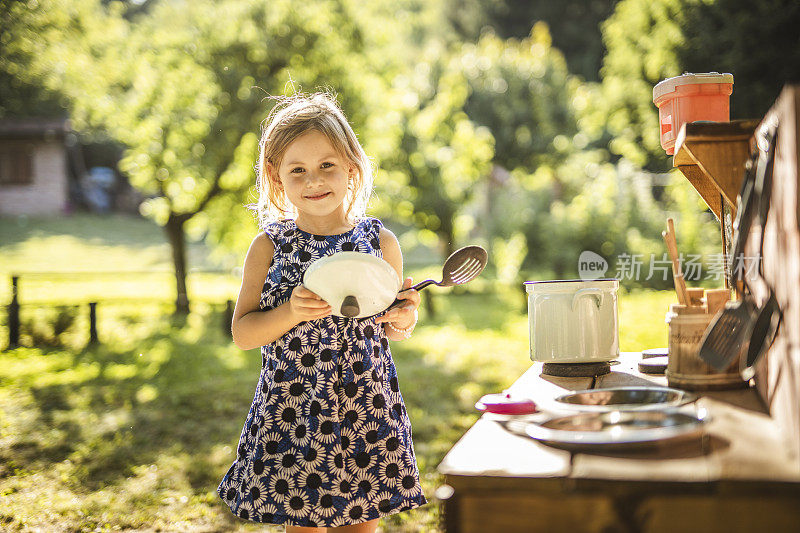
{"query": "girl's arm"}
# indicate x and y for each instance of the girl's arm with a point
(405, 316)
(251, 327)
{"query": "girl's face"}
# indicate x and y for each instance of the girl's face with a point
(314, 177)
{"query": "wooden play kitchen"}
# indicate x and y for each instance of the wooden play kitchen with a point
(736, 464)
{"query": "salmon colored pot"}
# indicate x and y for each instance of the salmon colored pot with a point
(689, 98)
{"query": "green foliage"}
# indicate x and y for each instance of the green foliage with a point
(589, 203)
(575, 25)
(504, 101)
(521, 90)
(20, 96)
(649, 41)
(50, 327)
(641, 37)
(756, 41)
(443, 116)
(508, 256)
(442, 153)
(185, 94)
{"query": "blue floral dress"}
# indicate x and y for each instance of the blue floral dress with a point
(327, 441)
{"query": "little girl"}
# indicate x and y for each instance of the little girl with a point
(327, 441)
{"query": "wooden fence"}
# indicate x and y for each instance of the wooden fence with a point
(14, 306)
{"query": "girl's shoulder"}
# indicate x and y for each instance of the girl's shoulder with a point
(370, 223)
(260, 252)
(278, 230)
(372, 229)
(381, 237)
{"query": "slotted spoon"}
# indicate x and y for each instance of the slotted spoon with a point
(463, 265)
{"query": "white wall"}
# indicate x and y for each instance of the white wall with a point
(47, 195)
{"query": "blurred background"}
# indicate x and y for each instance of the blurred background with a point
(128, 139)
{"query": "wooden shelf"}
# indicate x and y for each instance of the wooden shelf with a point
(712, 156)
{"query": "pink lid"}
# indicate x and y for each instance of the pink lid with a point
(505, 404)
(670, 84)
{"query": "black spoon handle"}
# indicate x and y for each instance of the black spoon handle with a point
(422, 284)
(418, 287)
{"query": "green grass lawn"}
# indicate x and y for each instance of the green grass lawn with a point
(135, 433)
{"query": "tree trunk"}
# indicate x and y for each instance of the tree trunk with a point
(177, 240)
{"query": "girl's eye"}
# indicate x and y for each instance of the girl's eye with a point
(297, 170)
(327, 164)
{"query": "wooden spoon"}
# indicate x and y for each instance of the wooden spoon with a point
(677, 275)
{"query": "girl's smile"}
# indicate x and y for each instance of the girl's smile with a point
(314, 177)
(319, 196)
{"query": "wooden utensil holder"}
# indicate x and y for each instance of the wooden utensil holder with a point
(685, 368)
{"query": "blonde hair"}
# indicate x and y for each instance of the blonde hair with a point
(291, 117)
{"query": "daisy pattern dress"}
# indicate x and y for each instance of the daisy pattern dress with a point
(327, 440)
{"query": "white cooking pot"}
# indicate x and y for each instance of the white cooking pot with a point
(573, 321)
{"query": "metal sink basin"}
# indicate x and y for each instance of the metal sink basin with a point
(624, 399)
(617, 429)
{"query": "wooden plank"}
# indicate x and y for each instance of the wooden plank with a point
(490, 448)
(506, 512)
(493, 447)
(735, 130)
(704, 187)
(533, 384)
(626, 510)
(745, 445)
(715, 514)
(718, 150)
(740, 444)
(626, 374)
(677, 461)
(470, 484)
(778, 374)
(721, 162)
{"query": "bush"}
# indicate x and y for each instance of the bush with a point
(50, 327)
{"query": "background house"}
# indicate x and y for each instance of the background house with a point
(33, 166)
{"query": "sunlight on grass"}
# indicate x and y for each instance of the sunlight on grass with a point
(641, 319)
(136, 432)
(85, 242)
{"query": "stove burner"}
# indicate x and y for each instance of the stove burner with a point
(576, 370)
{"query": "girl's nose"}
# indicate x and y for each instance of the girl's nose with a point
(313, 177)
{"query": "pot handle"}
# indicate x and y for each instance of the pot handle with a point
(595, 293)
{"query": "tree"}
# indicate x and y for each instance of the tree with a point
(507, 103)
(185, 94)
(522, 91)
(649, 41)
(20, 97)
(759, 42)
(641, 37)
(574, 24)
(441, 153)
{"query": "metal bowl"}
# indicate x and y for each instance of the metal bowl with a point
(624, 399)
(617, 428)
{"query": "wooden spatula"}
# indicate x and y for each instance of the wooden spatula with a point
(677, 274)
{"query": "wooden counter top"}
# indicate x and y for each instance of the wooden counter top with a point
(513, 479)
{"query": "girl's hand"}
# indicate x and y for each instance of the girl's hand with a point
(306, 305)
(405, 315)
